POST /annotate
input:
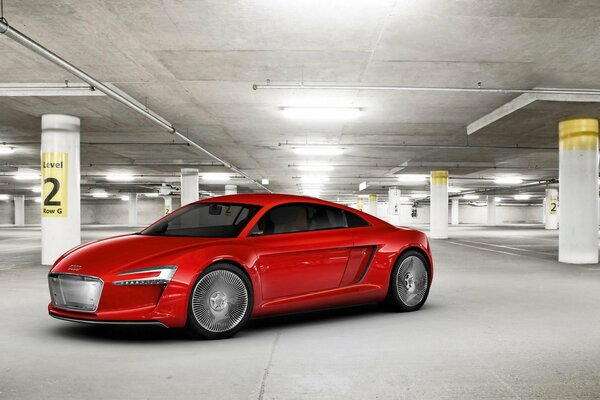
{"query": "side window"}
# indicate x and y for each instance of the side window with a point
(304, 217)
(354, 221)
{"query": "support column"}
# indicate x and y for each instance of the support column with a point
(189, 185)
(19, 210)
(578, 188)
(454, 214)
(491, 210)
(61, 218)
(359, 204)
(394, 205)
(132, 210)
(551, 209)
(230, 189)
(168, 204)
(372, 204)
(438, 227)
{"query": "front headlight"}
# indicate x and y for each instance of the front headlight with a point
(148, 276)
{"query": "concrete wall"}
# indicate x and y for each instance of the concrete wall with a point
(94, 211)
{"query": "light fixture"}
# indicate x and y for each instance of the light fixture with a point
(6, 150)
(452, 189)
(264, 181)
(412, 178)
(120, 177)
(151, 194)
(27, 176)
(36, 189)
(311, 193)
(313, 179)
(470, 197)
(508, 180)
(318, 151)
(321, 112)
(316, 168)
(4, 197)
(37, 200)
(498, 199)
(418, 195)
(216, 176)
(125, 198)
(100, 195)
(403, 199)
(522, 197)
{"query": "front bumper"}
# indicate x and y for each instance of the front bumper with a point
(102, 322)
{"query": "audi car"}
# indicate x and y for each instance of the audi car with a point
(212, 265)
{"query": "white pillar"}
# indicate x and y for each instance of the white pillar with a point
(132, 213)
(491, 210)
(438, 227)
(394, 205)
(359, 204)
(230, 189)
(61, 218)
(551, 209)
(578, 188)
(454, 214)
(189, 185)
(372, 204)
(168, 204)
(19, 210)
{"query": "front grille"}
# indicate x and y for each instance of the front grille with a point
(75, 292)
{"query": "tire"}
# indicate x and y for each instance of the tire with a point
(409, 282)
(220, 303)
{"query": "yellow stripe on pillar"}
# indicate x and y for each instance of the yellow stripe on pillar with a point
(372, 197)
(359, 204)
(578, 134)
(439, 177)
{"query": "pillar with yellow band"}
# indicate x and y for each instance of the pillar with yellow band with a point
(578, 191)
(372, 204)
(438, 226)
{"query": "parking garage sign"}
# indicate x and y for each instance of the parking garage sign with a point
(55, 184)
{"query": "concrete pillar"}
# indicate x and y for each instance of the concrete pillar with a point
(189, 185)
(454, 214)
(132, 213)
(230, 189)
(372, 204)
(491, 211)
(438, 227)
(359, 204)
(551, 209)
(168, 204)
(61, 218)
(394, 205)
(19, 210)
(578, 188)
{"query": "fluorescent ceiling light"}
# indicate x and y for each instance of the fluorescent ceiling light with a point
(120, 177)
(36, 189)
(4, 197)
(216, 176)
(318, 151)
(418, 195)
(316, 168)
(508, 180)
(264, 181)
(100, 195)
(470, 197)
(311, 179)
(37, 200)
(498, 199)
(312, 193)
(321, 112)
(125, 198)
(6, 150)
(152, 194)
(27, 176)
(454, 189)
(412, 178)
(522, 197)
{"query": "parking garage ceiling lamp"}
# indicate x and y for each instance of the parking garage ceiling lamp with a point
(120, 177)
(7, 150)
(216, 176)
(318, 151)
(125, 198)
(418, 195)
(470, 197)
(521, 197)
(151, 194)
(100, 195)
(321, 112)
(412, 178)
(27, 176)
(4, 197)
(36, 189)
(508, 180)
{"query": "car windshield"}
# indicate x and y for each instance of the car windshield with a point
(215, 220)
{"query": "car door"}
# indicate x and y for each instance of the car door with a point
(301, 248)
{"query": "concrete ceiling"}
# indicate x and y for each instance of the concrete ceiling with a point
(194, 62)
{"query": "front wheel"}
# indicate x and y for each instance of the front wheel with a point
(220, 303)
(409, 282)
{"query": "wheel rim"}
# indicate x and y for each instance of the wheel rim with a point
(220, 300)
(412, 281)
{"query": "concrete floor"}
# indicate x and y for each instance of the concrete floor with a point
(503, 320)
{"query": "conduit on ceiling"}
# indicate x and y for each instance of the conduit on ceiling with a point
(119, 96)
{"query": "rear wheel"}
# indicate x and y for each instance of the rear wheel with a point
(220, 303)
(409, 282)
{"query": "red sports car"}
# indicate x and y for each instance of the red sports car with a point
(213, 264)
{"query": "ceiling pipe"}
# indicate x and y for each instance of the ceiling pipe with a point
(420, 146)
(589, 92)
(114, 94)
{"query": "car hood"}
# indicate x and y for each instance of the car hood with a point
(126, 252)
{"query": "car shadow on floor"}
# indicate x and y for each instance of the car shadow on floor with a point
(146, 334)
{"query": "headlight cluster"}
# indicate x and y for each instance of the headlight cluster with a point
(149, 276)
